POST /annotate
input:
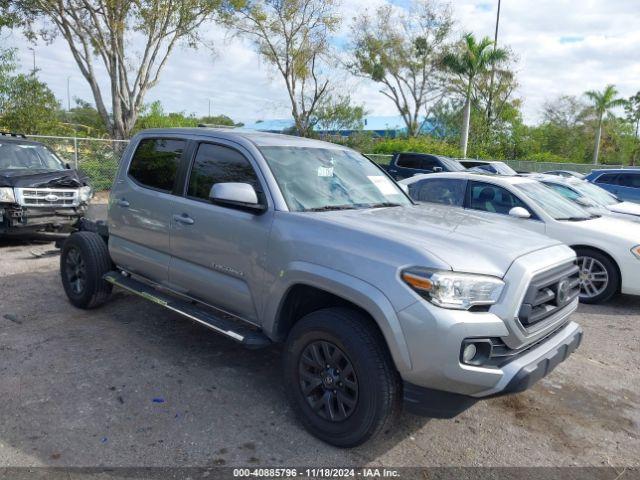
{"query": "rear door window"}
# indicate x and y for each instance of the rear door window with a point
(631, 180)
(443, 191)
(155, 163)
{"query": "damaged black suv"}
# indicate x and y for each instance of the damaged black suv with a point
(38, 191)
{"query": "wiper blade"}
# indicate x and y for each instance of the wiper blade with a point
(576, 219)
(329, 208)
(383, 205)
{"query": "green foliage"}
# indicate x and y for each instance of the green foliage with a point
(401, 51)
(338, 113)
(27, 105)
(154, 116)
(220, 120)
(422, 144)
(83, 120)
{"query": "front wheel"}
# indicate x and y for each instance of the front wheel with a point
(599, 277)
(83, 262)
(342, 383)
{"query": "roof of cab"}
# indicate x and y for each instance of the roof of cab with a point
(259, 139)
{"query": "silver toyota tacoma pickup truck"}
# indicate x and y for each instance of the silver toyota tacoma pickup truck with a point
(379, 302)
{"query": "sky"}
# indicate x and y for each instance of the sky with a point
(564, 47)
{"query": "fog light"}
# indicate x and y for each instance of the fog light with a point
(469, 352)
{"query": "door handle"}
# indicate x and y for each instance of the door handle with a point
(184, 219)
(122, 203)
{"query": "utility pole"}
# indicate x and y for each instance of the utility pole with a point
(209, 99)
(493, 67)
(33, 50)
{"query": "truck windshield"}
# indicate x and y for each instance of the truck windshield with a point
(316, 179)
(553, 203)
(23, 156)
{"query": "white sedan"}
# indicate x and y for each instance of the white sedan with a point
(608, 248)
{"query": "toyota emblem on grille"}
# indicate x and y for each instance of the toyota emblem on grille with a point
(51, 198)
(564, 291)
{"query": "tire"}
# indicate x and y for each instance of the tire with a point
(594, 265)
(83, 262)
(376, 402)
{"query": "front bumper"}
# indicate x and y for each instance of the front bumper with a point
(19, 220)
(518, 375)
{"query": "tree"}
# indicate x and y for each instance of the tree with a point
(471, 59)
(104, 30)
(83, 120)
(338, 113)
(28, 106)
(220, 120)
(401, 50)
(602, 103)
(293, 36)
(632, 110)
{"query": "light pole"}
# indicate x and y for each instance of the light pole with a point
(68, 95)
(209, 99)
(493, 67)
(33, 50)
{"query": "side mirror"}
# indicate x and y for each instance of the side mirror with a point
(437, 169)
(519, 212)
(239, 195)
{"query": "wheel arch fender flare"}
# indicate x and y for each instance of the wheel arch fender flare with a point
(347, 287)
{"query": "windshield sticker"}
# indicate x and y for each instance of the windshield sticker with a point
(383, 184)
(325, 171)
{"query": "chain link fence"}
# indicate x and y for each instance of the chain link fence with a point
(98, 158)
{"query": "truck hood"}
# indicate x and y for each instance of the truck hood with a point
(42, 178)
(467, 242)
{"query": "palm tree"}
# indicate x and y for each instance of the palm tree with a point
(473, 58)
(602, 103)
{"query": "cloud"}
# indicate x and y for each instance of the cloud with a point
(564, 46)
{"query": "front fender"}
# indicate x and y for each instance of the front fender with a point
(350, 288)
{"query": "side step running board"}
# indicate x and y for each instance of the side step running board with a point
(244, 335)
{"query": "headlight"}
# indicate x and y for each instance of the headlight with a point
(6, 195)
(459, 291)
(636, 251)
(85, 194)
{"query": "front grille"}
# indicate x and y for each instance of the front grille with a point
(549, 292)
(47, 197)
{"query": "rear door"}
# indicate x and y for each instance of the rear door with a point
(140, 208)
(219, 252)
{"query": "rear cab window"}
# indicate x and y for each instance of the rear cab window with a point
(155, 163)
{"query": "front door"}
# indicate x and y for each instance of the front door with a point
(140, 208)
(494, 202)
(218, 252)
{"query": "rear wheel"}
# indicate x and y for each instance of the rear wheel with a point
(343, 385)
(83, 262)
(599, 277)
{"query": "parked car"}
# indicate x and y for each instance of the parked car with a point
(407, 164)
(38, 191)
(624, 183)
(565, 173)
(483, 166)
(594, 199)
(608, 249)
(273, 239)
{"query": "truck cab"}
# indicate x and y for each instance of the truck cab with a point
(271, 239)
